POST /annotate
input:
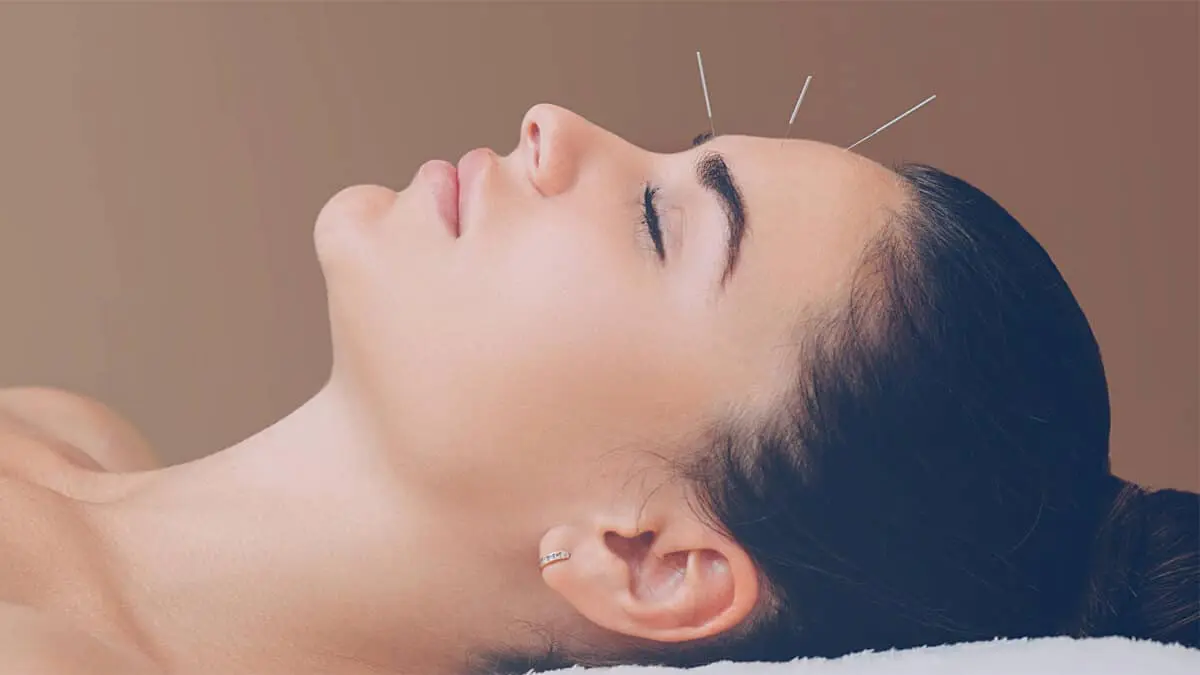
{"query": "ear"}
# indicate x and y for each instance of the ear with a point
(673, 579)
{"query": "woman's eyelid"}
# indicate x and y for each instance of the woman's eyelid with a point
(673, 192)
(672, 219)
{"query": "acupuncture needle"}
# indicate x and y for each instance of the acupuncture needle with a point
(796, 109)
(707, 104)
(902, 116)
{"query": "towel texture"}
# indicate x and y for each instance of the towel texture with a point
(1043, 656)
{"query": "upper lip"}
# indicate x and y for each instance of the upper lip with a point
(469, 166)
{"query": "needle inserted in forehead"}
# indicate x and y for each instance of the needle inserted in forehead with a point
(797, 108)
(902, 116)
(707, 104)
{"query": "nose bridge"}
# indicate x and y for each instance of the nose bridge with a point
(555, 142)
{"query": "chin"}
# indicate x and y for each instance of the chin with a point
(347, 216)
(358, 204)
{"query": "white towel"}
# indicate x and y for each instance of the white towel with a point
(1041, 656)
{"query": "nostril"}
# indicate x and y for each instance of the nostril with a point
(535, 135)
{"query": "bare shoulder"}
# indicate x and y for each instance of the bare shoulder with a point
(34, 643)
(88, 432)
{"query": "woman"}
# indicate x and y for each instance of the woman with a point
(752, 401)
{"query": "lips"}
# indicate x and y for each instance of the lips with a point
(442, 178)
(454, 187)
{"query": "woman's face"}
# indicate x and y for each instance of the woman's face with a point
(541, 347)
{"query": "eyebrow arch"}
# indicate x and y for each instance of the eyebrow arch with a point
(713, 174)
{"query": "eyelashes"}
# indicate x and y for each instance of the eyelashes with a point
(650, 220)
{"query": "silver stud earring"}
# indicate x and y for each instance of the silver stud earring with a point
(551, 558)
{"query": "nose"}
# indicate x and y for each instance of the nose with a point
(553, 142)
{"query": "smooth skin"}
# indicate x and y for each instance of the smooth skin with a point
(493, 397)
(49, 438)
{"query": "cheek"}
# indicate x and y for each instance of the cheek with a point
(559, 347)
(548, 323)
(525, 350)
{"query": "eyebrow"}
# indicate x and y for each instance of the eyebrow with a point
(713, 174)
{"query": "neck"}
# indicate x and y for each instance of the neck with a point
(300, 550)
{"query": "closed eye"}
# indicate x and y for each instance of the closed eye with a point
(650, 217)
(650, 220)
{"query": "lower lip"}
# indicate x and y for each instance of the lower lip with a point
(442, 177)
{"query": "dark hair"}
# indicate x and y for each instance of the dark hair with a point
(941, 473)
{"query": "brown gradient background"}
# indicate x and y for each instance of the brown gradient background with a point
(163, 165)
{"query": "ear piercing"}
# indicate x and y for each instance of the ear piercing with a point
(551, 558)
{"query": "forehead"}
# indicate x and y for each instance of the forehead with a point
(781, 176)
(811, 208)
